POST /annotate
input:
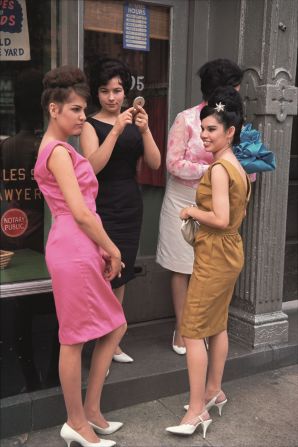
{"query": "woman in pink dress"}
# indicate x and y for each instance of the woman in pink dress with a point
(80, 257)
(187, 162)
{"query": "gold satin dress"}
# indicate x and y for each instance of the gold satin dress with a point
(218, 260)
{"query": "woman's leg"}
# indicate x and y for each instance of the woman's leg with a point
(100, 362)
(197, 361)
(70, 378)
(218, 351)
(119, 293)
(179, 285)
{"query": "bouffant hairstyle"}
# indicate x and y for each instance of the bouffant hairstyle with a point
(105, 69)
(232, 115)
(219, 73)
(60, 82)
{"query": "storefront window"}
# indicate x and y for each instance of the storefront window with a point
(26, 48)
(28, 338)
(103, 37)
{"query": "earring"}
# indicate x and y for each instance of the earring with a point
(52, 110)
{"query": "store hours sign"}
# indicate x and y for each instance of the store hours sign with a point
(14, 36)
(136, 27)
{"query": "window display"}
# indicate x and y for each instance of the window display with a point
(22, 206)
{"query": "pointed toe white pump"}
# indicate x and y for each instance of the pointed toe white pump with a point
(190, 427)
(181, 350)
(113, 426)
(69, 435)
(122, 358)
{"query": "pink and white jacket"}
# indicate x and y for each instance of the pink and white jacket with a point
(187, 160)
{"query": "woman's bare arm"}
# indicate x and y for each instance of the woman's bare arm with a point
(220, 216)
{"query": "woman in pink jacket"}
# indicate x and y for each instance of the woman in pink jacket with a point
(187, 161)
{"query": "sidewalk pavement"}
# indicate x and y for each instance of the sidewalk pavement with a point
(262, 412)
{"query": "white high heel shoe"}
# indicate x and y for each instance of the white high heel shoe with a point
(190, 427)
(113, 426)
(122, 358)
(212, 403)
(69, 435)
(181, 350)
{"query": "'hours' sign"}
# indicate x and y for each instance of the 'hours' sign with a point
(136, 27)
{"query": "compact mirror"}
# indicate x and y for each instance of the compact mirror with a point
(138, 101)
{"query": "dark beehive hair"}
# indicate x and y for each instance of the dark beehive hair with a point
(233, 109)
(60, 82)
(219, 73)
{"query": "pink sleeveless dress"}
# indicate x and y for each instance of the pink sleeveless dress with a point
(85, 303)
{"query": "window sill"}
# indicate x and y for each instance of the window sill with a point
(26, 275)
(25, 288)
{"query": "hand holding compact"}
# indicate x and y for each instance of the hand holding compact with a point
(122, 120)
(141, 119)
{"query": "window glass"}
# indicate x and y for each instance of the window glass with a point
(21, 126)
(28, 336)
(103, 37)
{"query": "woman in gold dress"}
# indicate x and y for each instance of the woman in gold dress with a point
(222, 197)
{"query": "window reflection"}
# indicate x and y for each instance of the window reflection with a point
(21, 127)
(22, 203)
(28, 338)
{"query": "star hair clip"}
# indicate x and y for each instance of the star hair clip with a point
(220, 107)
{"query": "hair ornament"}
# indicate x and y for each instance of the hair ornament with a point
(220, 107)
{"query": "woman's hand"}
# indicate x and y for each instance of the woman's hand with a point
(122, 120)
(113, 266)
(184, 213)
(141, 119)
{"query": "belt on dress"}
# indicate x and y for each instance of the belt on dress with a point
(210, 230)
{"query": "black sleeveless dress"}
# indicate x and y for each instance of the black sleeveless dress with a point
(119, 200)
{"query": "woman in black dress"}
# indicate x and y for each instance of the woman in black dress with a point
(113, 141)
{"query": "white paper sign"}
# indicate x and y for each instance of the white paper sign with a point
(14, 36)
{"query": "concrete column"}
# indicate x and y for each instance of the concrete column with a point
(268, 51)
